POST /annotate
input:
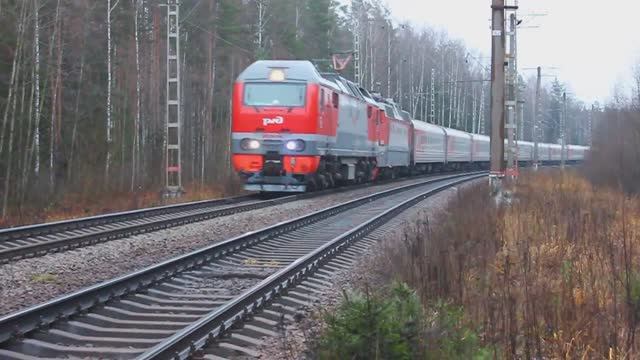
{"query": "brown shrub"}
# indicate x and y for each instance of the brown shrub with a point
(553, 273)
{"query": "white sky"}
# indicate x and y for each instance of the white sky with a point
(593, 43)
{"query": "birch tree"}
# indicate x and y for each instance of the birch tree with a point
(55, 102)
(27, 153)
(421, 89)
(211, 80)
(109, 124)
(136, 133)
(262, 6)
(636, 80)
(12, 81)
(36, 102)
(15, 80)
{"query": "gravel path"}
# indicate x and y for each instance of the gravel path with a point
(297, 338)
(31, 281)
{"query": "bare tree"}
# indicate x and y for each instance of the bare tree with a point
(12, 85)
(76, 115)
(262, 21)
(297, 22)
(15, 79)
(56, 106)
(136, 133)
(28, 148)
(211, 77)
(109, 88)
(636, 79)
(36, 103)
(421, 89)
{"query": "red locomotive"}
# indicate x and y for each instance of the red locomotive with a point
(294, 129)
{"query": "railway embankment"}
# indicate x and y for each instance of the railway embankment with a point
(551, 271)
(30, 281)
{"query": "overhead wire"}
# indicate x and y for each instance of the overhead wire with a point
(190, 12)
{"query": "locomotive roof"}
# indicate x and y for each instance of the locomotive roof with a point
(456, 132)
(295, 70)
(303, 70)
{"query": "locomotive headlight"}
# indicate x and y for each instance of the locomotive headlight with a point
(249, 144)
(295, 145)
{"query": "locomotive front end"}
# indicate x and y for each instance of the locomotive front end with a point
(274, 131)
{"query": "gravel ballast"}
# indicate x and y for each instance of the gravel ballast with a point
(31, 281)
(293, 342)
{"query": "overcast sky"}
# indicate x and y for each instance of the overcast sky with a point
(593, 43)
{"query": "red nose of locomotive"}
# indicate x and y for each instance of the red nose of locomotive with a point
(274, 140)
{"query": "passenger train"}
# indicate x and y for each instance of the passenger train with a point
(295, 129)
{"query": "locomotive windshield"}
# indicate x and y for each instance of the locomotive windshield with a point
(270, 94)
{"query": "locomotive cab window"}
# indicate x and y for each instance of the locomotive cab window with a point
(389, 112)
(270, 94)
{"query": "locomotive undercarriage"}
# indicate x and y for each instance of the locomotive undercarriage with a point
(334, 171)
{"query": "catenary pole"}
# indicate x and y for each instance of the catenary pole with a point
(537, 119)
(497, 94)
(512, 101)
(173, 164)
(563, 124)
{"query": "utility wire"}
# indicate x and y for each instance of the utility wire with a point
(186, 17)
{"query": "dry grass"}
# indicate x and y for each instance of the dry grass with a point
(44, 278)
(83, 204)
(553, 274)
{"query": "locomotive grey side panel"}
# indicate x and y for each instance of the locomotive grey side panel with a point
(352, 130)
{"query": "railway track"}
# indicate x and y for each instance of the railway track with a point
(41, 239)
(155, 311)
(246, 338)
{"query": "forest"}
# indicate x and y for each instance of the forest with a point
(83, 88)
